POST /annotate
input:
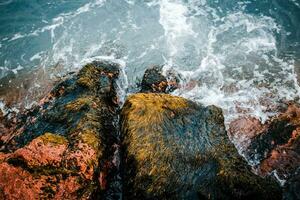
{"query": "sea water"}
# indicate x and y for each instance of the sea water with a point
(240, 55)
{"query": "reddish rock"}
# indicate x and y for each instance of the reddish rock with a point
(284, 159)
(2, 157)
(46, 150)
(17, 183)
(67, 188)
(243, 130)
(58, 149)
(273, 147)
(84, 158)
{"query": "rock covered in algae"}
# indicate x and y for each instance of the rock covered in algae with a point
(62, 148)
(177, 149)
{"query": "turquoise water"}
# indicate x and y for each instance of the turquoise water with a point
(239, 55)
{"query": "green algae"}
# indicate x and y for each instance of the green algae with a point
(53, 139)
(175, 148)
(91, 138)
(88, 76)
(79, 104)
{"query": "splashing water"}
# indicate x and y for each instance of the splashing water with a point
(238, 55)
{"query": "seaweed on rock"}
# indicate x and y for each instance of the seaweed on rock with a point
(177, 149)
(64, 143)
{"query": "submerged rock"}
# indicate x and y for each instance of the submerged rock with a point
(177, 149)
(20, 88)
(64, 144)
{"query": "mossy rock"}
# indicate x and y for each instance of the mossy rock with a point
(76, 104)
(177, 149)
(154, 81)
(53, 139)
(80, 114)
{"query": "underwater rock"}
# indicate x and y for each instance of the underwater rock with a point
(21, 88)
(243, 130)
(60, 147)
(177, 149)
(8, 124)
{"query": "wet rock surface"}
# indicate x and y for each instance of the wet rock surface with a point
(273, 147)
(77, 143)
(155, 82)
(19, 89)
(62, 149)
(177, 149)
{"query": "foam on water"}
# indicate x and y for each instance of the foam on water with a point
(228, 58)
(60, 20)
(225, 56)
(176, 27)
(240, 69)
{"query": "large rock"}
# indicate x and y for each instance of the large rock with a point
(64, 148)
(177, 149)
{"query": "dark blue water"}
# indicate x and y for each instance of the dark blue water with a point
(240, 55)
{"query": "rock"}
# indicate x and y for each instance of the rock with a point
(273, 147)
(46, 150)
(60, 147)
(243, 130)
(292, 187)
(154, 81)
(177, 149)
(284, 159)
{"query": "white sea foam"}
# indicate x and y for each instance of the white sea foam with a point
(2, 107)
(296, 2)
(37, 56)
(17, 36)
(175, 24)
(229, 60)
(60, 20)
(15, 70)
(240, 70)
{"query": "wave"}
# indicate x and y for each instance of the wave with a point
(239, 68)
(225, 55)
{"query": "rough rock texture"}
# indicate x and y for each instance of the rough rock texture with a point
(176, 149)
(154, 81)
(63, 148)
(273, 147)
(243, 130)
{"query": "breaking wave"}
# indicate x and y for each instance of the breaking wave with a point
(227, 54)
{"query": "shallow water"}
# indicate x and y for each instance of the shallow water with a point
(239, 55)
